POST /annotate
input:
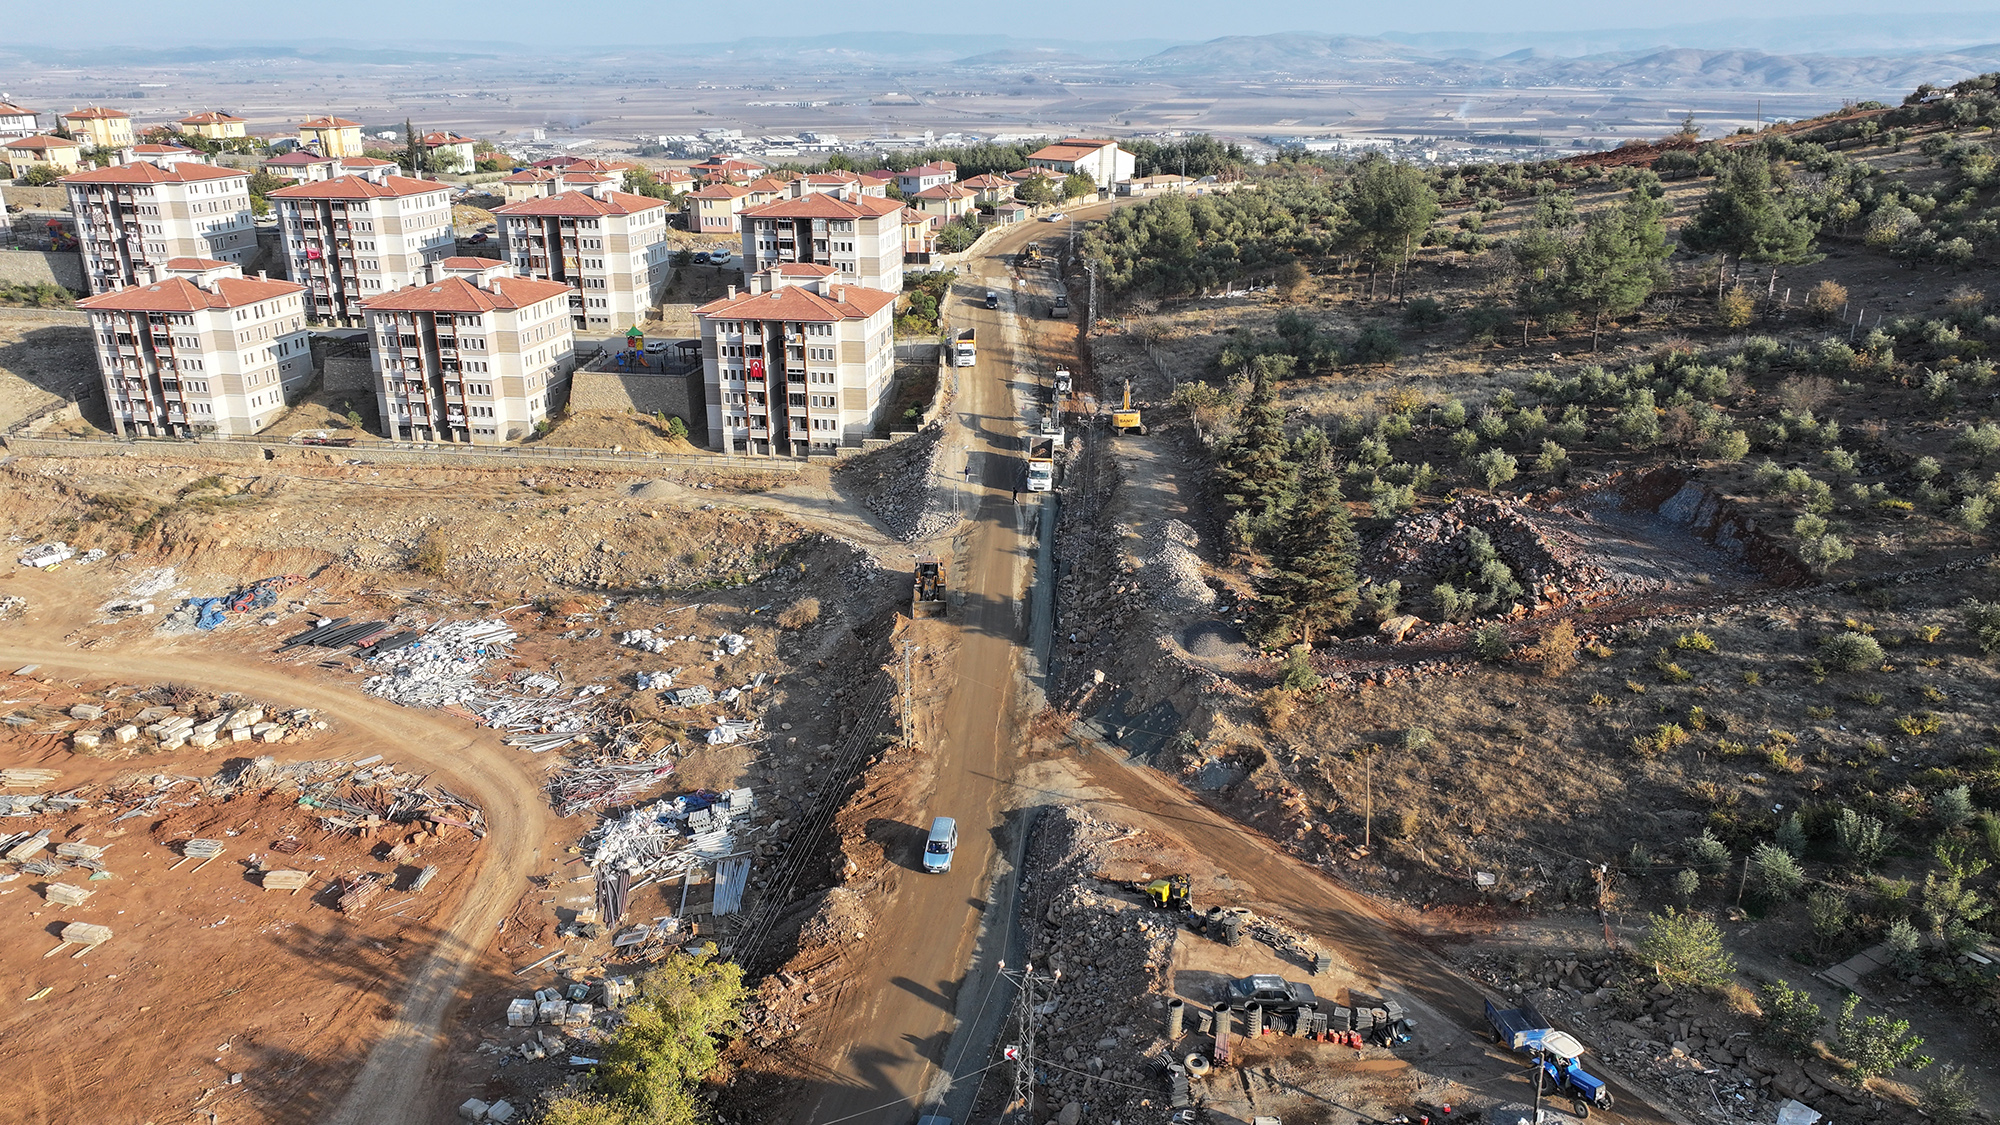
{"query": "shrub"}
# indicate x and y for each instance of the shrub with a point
(1947, 1097)
(1733, 309)
(1791, 834)
(1858, 837)
(1686, 949)
(1696, 641)
(1496, 467)
(1558, 649)
(1775, 873)
(1822, 553)
(1826, 301)
(799, 614)
(1727, 445)
(1850, 652)
(1791, 1020)
(1918, 724)
(1425, 312)
(1982, 620)
(1707, 854)
(432, 557)
(1687, 883)
(1876, 1045)
(1952, 807)
(1297, 675)
(1489, 643)
(1827, 912)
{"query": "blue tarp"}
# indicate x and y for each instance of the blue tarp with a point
(210, 610)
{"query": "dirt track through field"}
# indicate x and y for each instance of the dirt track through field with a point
(393, 1086)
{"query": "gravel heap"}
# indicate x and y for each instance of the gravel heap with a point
(1109, 1010)
(907, 497)
(1553, 567)
(1173, 569)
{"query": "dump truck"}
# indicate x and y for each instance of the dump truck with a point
(1558, 1070)
(927, 598)
(964, 352)
(1041, 464)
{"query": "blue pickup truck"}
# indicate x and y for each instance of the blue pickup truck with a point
(1556, 1054)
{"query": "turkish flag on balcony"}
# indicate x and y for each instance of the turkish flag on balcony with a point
(756, 369)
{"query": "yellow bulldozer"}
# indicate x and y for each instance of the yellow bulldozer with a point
(927, 598)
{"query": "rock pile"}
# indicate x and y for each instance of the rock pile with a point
(1553, 567)
(906, 496)
(1173, 570)
(1107, 1016)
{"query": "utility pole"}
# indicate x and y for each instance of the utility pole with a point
(1367, 794)
(1022, 1051)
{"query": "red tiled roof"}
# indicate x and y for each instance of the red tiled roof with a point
(945, 191)
(143, 173)
(798, 303)
(722, 191)
(93, 113)
(1064, 153)
(178, 294)
(41, 142)
(469, 263)
(820, 205)
(802, 269)
(365, 162)
(212, 118)
(194, 264)
(530, 176)
(156, 150)
(299, 156)
(9, 109)
(989, 180)
(766, 183)
(1092, 143)
(354, 187)
(934, 168)
(577, 203)
(329, 123)
(433, 140)
(456, 294)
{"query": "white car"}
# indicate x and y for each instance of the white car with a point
(1055, 218)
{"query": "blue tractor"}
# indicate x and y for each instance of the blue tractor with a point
(1557, 1055)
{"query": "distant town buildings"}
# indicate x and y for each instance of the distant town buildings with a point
(131, 219)
(199, 348)
(1101, 160)
(798, 362)
(331, 136)
(306, 166)
(59, 154)
(97, 127)
(348, 238)
(15, 122)
(610, 251)
(859, 236)
(470, 353)
(214, 125)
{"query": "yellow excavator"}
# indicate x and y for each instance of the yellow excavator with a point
(927, 598)
(1125, 419)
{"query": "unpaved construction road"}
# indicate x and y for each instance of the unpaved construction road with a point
(394, 1086)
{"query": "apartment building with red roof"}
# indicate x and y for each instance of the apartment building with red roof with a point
(859, 235)
(131, 216)
(98, 127)
(214, 125)
(797, 363)
(470, 354)
(348, 239)
(1101, 160)
(713, 209)
(27, 153)
(610, 250)
(16, 121)
(926, 176)
(331, 136)
(197, 348)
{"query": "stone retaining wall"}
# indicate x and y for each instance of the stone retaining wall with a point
(29, 267)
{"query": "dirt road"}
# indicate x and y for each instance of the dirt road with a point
(1269, 878)
(393, 1087)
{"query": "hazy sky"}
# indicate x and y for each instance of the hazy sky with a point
(611, 23)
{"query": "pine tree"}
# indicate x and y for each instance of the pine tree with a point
(412, 159)
(1256, 470)
(1312, 589)
(1616, 262)
(1746, 215)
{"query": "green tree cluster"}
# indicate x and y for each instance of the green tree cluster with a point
(1748, 215)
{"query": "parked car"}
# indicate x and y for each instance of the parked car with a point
(720, 257)
(941, 845)
(1273, 993)
(655, 347)
(477, 238)
(701, 257)
(1054, 218)
(992, 299)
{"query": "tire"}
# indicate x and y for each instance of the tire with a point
(1581, 1108)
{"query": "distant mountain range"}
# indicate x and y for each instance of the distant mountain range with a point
(1370, 61)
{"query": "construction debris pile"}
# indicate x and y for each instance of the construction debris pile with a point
(1105, 1016)
(670, 836)
(211, 613)
(905, 492)
(441, 667)
(43, 555)
(606, 780)
(1553, 567)
(1172, 568)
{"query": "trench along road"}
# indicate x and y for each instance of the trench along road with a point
(396, 1084)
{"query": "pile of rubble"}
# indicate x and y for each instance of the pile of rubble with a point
(907, 496)
(442, 668)
(1553, 567)
(669, 837)
(202, 723)
(1709, 1065)
(1106, 1017)
(1172, 569)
